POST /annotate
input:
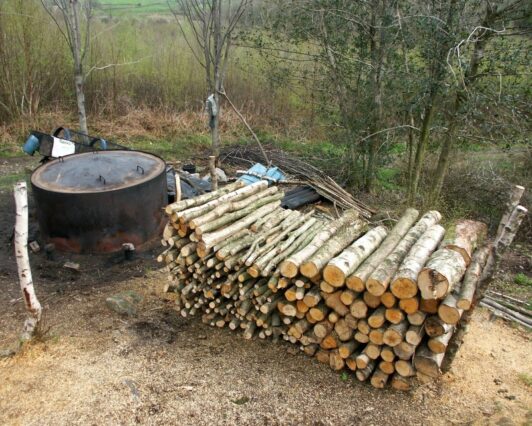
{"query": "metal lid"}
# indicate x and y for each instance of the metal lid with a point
(97, 171)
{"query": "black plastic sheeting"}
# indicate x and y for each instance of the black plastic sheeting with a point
(299, 196)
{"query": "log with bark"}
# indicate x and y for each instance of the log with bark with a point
(380, 278)
(357, 280)
(236, 259)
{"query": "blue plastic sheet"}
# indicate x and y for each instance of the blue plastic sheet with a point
(273, 174)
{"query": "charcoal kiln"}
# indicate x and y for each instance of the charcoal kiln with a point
(94, 202)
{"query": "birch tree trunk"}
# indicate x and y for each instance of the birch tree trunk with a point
(79, 78)
(23, 262)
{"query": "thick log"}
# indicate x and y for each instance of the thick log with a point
(415, 334)
(358, 308)
(319, 312)
(363, 360)
(464, 236)
(404, 283)
(434, 326)
(346, 349)
(333, 301)
(332, 341)
(343, 330)
(444, 269)
(323, 328)
(376, 335)
(336, 362)
(379, 280)
(404, 350)
(377, 318)
(394, 315)
(348, 296)
(351, 362)
(363, 326)
(448, 311)
(357, 280)
(379, 379)
(429, 306)
(388, 299)
(290, 267)
(395, 334)
(361, 337)
(387, 367)
(401, 383)
(322, 356)
(372, 350)
(362, 374)
(410, 305)
(427, 362)
(471, 278)
(438, 344)
(387, 353)
(405, 368)
(371, 300)
(340, 267)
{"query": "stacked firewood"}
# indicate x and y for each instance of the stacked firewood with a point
(381, 303)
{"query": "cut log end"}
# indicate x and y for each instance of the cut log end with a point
(334, 275)
(309, 270)
(289, 269)
(404, 288)
(355, 283)
(375, 287)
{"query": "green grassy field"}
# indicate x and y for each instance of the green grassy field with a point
(131, 7)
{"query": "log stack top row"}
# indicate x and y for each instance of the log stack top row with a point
(381, 302)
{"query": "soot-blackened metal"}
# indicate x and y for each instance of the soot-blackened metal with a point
(101, 220)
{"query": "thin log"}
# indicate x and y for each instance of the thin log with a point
(472, 277)
(357, 280)
(202, 199)
(290, 267)
(343, 265)
(338, 242)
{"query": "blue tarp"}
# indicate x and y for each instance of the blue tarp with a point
(273, 173)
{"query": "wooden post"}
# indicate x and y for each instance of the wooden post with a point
(212, 170)
(23, 263)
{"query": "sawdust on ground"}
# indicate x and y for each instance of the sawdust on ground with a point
(95, 367)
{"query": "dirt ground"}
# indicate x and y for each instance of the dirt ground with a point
(94, 366)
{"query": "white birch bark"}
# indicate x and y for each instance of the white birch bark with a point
(23, 262)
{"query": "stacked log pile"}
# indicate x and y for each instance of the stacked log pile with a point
(381, 303)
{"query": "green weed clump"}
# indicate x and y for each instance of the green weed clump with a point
(522, 279)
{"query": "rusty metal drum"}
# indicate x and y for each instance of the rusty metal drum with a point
(94, 202)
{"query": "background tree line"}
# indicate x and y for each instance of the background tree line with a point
(384, 93)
